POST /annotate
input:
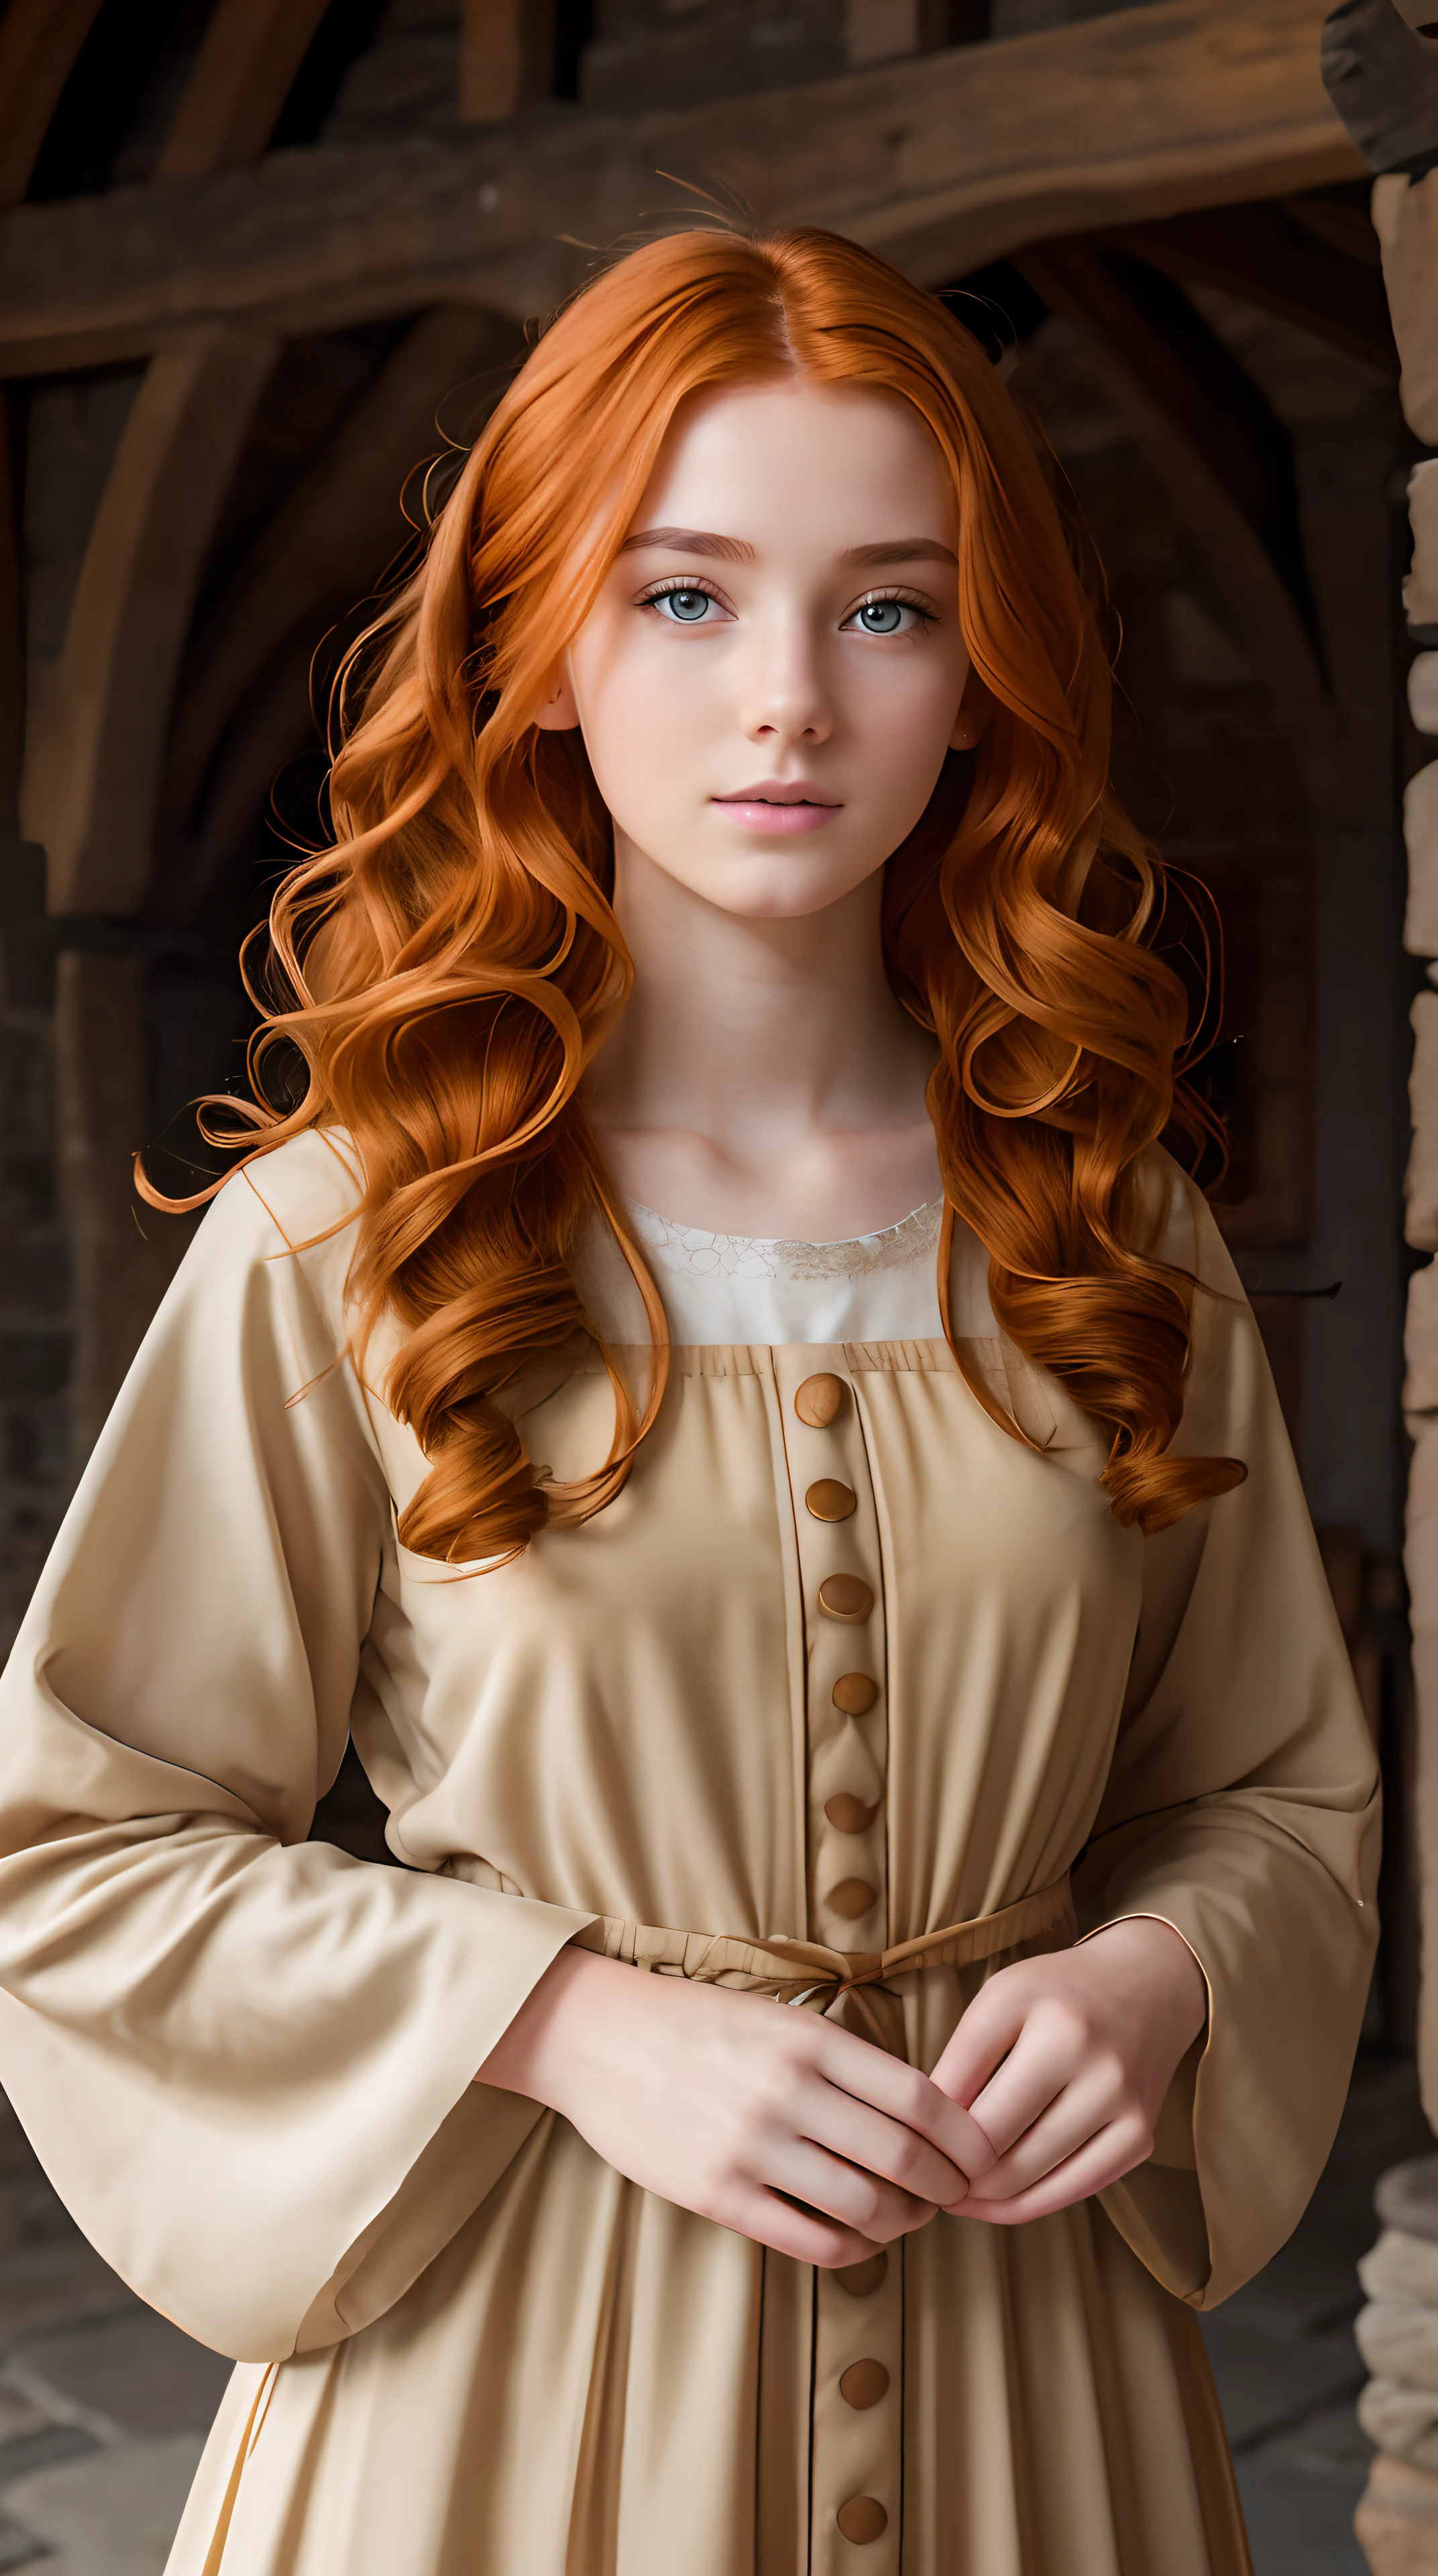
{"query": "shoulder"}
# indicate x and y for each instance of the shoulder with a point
(308, 1192)
(1180, 1225)
(284, 1226)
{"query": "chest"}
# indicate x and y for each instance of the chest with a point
(840, 1635)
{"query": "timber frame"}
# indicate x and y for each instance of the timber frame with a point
(1151, 133)
(348, 306)
(942, 163)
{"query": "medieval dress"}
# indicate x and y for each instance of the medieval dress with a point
(850, 1688)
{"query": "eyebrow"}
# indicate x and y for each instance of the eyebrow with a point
(898, 550)
(703, 541)
(690, 541)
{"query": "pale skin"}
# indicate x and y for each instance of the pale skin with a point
(784, 619)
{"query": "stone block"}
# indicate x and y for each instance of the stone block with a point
(1420, 1558)
(1398, 2339)
(1406, 2199)
(43, 2448)
(1420, 1183)
(1405, 218)
(1420, 834)
(1423, 692)
(1402, 2421)
(1397, 2519)
(134, 2374)
(1401, 2266)
(113, 2514)
(1420, 1343)
(56, 2283)
(19, 2417)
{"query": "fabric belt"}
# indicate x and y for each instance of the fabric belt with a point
(807, 1973)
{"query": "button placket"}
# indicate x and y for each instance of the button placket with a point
(858, 2384)
(838, 1539)
(858, 2421)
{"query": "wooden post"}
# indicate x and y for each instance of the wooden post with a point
(506, 56)
(97, 718)
(123, 1253)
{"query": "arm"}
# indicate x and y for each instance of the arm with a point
(1240, 1817)
(235, 2050)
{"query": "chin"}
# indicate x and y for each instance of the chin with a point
(777, 886)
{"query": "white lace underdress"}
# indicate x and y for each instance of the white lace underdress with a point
(740, 1288)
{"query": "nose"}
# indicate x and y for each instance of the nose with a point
(785, 699)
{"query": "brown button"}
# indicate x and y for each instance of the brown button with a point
(851, 1898)
(860, 2279)
(855, 1694)
(831, 1501)
(864, 2383)
(845, 1596)
(849, 1815)
(863, 2518)
(819, 1399)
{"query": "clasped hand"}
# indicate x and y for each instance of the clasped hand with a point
(777, 2123)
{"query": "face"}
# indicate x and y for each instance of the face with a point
(772, 674)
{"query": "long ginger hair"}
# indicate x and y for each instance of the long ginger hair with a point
(449, 965)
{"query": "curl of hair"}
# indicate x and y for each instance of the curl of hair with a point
(448, 968)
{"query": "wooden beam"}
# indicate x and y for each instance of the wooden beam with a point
(97, 717)
(241, 78)
(1271, 258)
(942, 162)
(506, 56)
(329, 541)
(1225, 462)
(39, 40)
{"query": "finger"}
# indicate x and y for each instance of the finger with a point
(1048, 2055)
(902, 2093)
(767, 2218)
(1106, 2159)
(841, 2191)
(988, 2031)
(1084, 2109)
(881, 2146)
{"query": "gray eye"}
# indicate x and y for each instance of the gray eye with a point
(687, 605)
(881, 616)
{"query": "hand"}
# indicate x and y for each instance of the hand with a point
(769, 2120)
(1064, 2062)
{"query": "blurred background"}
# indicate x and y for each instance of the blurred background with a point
(264, 267)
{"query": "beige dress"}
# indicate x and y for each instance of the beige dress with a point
(466, 2346)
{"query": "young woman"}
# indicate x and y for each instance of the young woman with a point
(719, 1390)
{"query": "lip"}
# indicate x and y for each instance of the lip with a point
(780, 807)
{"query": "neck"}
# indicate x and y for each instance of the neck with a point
(762, 1066)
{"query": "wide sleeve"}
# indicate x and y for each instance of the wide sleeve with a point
(245, 2060)
(1242, 1809)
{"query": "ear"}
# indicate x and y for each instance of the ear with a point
(972, 717)
(560, 712)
